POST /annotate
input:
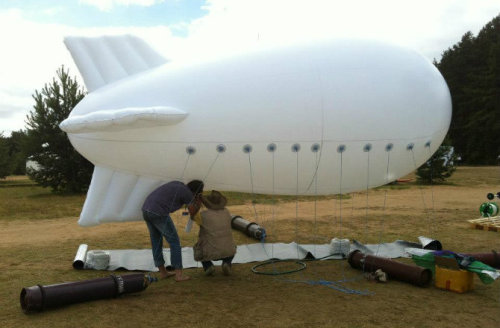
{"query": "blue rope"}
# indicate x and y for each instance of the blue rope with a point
(336, 285)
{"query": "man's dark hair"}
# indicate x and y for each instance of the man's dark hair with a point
(196, 186)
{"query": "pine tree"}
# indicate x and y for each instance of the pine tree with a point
(17, 155)
(60, 166)
(5, 166)
(439, 167)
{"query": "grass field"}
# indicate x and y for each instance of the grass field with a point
(39, 237)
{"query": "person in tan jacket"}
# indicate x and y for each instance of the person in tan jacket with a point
(215, 239)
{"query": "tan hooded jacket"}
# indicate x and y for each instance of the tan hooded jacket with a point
(215, 240)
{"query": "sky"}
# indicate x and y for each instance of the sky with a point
(32, 31)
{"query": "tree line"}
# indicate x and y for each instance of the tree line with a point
(471, 69)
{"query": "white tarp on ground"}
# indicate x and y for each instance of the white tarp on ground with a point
(142, 259)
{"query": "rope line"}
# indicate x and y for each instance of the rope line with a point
(421, 189)
(297, 200)
(273, 208)
(341, 150)
(382, 230)
(315, 227)
(367, 192)
(336, 285)
(340, 195)
(432, 225)
(252, 186)
(211, 166)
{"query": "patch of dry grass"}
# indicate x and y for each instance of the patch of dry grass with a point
(39, 237)
(25, 201)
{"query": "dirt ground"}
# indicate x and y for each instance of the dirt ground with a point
(41, 252)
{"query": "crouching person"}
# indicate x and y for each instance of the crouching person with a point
(215, 240)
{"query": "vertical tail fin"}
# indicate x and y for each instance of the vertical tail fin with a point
(102, 60)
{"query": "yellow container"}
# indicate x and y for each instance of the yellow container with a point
(459, 281)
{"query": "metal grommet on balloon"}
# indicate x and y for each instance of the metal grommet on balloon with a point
(315, 148)
(220, 148)
(271, 147)
(389, 147)
(428, 144)
(247, 149)
(295, 148)
(190, 150)
(341, 148)
(410, 146)
(367, 147)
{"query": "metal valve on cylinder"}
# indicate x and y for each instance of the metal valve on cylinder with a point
(412, 274)
(492, 196)
(251, 229)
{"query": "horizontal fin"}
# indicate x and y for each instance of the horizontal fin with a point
(122, 119)
(105, 59)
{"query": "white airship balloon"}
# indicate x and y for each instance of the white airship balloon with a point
(323, 118)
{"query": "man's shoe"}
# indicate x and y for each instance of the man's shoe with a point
(226, 269)
(210, 271)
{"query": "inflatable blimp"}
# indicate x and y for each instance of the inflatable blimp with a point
(322, 118)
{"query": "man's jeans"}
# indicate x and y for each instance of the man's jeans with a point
(159, 227)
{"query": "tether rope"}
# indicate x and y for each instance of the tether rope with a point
(315, 228)
(367, 149)
(336, 285)
(272, 261)
(428, 146)
(248, 150)
(388, 149)
(421, 189)
(296, 149)
(272, 149)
